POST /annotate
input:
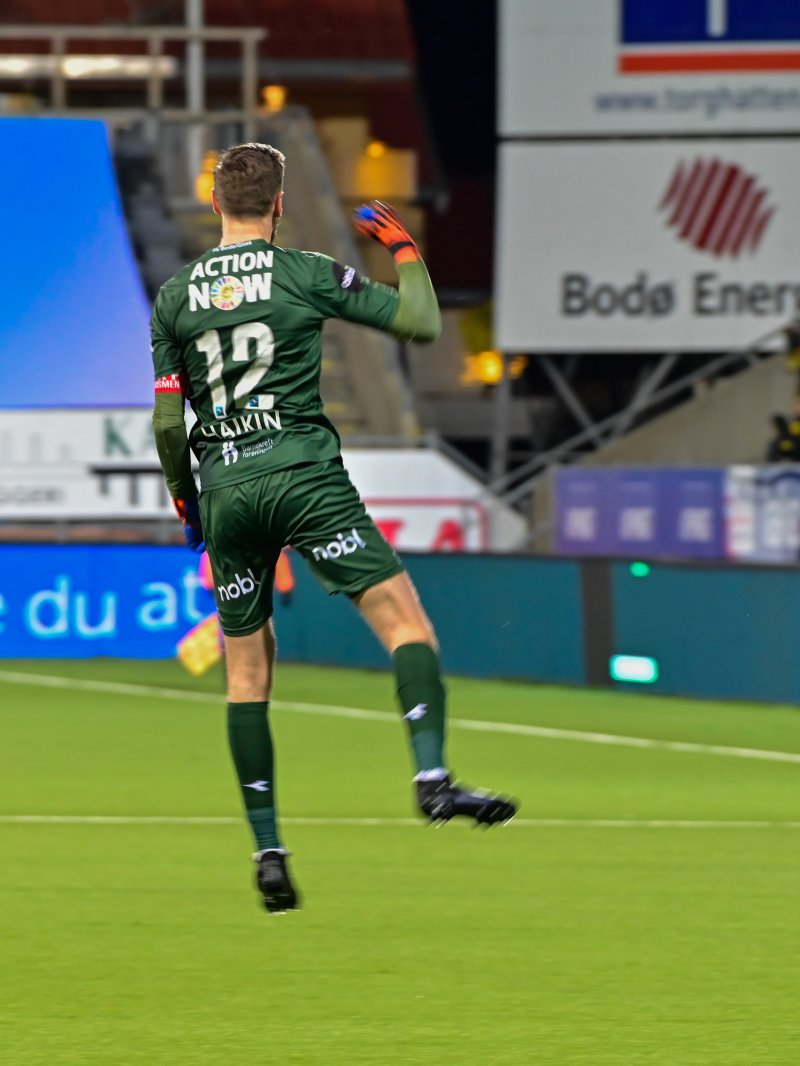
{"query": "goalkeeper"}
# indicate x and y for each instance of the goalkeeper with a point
(237, 333)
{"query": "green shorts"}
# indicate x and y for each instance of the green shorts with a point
(315, 509)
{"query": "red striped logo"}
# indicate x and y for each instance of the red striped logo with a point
(717, 207)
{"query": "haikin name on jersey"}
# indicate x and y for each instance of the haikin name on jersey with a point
(256, 286)
(237, 425)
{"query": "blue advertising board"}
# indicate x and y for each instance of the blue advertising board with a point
(584, 519)
(654, 512)
(82, 601)
(693, 513)
(638, 517)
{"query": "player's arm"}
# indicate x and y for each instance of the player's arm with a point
(169, 428)
(417, 316)
(410, 312)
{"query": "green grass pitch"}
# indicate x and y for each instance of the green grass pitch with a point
(557, 940)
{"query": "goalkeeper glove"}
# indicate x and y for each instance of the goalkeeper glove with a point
(381, 222)
(189, 514)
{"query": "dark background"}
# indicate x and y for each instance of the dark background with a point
(456, 55)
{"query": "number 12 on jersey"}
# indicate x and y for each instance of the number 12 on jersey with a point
(252, 343)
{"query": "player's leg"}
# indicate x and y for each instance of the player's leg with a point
(243, 574)
(325, 520)
(249, 736)
(250, 661)
(393, 611)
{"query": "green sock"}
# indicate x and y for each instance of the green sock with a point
(422, 696)
(251, 747)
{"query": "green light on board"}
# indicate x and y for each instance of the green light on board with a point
(640, 669)
(639, 569)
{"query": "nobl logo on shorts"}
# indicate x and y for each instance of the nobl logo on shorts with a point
(344, 544)
(240, 586)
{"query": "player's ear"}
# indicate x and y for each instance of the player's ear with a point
(215, 203)
(278, 205)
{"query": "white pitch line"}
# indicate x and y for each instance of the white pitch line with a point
(520, 823)
(471, 724)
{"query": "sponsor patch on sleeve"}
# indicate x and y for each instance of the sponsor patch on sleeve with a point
(169, 383)
(347, 277)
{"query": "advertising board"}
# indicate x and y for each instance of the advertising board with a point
(101, 464)
(646, 246)
(653, 513)
(762, 511)
(137, 601)
(611, 67)
(81, 601)
(747, 514)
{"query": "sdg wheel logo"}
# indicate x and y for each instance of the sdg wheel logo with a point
(227, 293)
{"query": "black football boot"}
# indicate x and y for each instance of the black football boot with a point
(442, 800)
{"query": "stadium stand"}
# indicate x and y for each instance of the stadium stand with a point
(165, 223)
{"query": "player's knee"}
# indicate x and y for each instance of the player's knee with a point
(248, 668)
(248, 685)
(417, 632)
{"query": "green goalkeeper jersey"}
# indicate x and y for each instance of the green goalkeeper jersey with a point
(238, 332)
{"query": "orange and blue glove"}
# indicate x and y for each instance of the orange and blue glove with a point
(382, 223)
(189, 514)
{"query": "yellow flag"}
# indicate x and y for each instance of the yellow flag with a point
(201, 648)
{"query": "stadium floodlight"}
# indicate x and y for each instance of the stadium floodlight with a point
(274, 97)
(88, 66)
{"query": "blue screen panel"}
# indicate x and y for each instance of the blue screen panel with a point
(708, 21)
(74, 321)
(82, 601)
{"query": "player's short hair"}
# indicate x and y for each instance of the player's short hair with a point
(248, 178)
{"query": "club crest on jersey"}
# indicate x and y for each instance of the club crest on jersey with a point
(226, 293)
